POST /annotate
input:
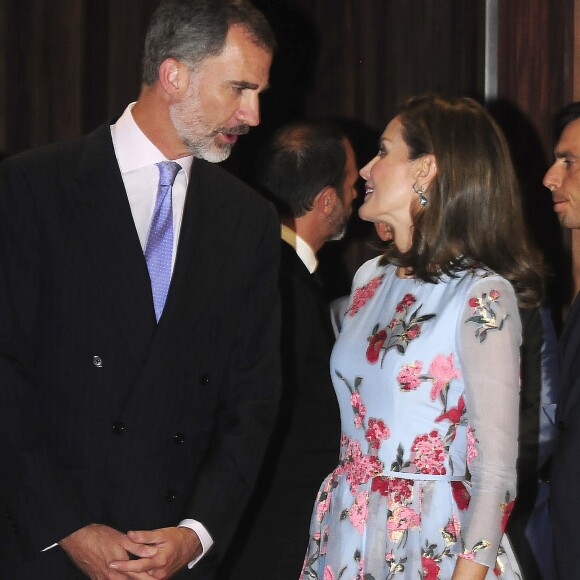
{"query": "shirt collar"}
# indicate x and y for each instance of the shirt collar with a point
(304, 251)
(134, 150)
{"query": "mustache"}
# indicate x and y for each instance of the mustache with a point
(236, 130)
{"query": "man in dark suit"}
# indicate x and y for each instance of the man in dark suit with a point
(139, 360)
(563, 181)
(309, 171)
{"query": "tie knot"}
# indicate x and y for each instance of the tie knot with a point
(167, 172)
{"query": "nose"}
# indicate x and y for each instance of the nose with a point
(552, 178)
(249, 111)
(365, 171)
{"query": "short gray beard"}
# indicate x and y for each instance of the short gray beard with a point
(341, 223)
(200, 146)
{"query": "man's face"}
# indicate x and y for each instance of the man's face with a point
(563, 178)
(343, 208)
(222, 98)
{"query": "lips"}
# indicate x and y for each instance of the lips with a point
(368, 191)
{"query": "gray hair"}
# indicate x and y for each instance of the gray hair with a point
(192, 30)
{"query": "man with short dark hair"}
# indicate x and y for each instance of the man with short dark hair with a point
(308, 169)
(563, 181)
(139, 363)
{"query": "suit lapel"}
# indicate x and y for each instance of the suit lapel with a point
(111, 235)
(208, 221)
(569, 347)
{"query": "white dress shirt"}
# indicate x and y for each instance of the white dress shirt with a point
(302, 248)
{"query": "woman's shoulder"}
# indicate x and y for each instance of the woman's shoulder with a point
(370, 270)
(484, 282)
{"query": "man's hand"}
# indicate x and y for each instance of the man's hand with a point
(174, 548)
(95, 546)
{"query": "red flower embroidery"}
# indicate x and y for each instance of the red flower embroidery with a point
(430, 568)
(376, 432)
(408, 300)
(363, 294)
(455, 413)
(461, 495)
(428, 454)
(507, 510)
(398, 488)
(413, 332)
(484, 314)
(376, 342)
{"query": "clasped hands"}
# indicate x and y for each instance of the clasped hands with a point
(102, 552)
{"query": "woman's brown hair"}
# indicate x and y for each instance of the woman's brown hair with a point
(473, 216)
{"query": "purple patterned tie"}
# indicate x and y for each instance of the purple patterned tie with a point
(159, 247)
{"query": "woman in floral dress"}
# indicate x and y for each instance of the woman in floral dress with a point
(426, 368)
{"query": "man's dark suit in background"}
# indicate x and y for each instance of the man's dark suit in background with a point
(309, 171)
(563, 181)
(114, 428)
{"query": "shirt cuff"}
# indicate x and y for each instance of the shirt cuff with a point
(203, 535)
(50, 547)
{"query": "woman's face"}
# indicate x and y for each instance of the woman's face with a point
(389, 179)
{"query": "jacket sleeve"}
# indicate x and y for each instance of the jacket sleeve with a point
(40, 500)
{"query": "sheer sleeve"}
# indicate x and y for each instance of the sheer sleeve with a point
(489, 338)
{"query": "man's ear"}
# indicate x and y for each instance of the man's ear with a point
(173, 77)
(325, 200)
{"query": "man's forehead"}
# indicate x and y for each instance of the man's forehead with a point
(569, 141)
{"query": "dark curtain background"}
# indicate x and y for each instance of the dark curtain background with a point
(67, 66)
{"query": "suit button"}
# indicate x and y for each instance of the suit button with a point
(178, 438)
(118, 427)
(204, 380)
(97, 361)
(170, 495)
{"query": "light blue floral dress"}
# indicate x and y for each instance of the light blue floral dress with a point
(427, 379)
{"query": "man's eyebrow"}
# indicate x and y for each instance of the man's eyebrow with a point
(565, 153)
(245, 85)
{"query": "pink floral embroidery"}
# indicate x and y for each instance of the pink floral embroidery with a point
(443, 372)
(328, 575)
(428, 454)
(358, 512)
(408, 377)
(402, 519)
(359, 468)
(361, 570)
(363, 294)
(484, 314)
(470, 554)
(471, 448)
(359, 409)
(452, 530)
(376, 432)
(430, 568)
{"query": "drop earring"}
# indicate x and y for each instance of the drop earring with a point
(420, 191)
